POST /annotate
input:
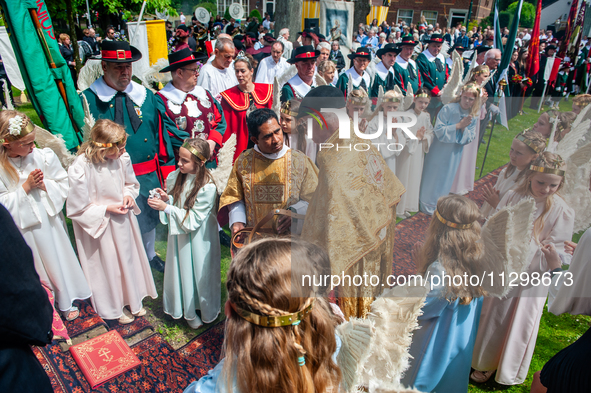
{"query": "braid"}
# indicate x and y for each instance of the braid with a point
(257, 305)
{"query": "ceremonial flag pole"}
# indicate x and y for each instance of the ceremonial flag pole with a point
(533, 62)
(492, 128)
(46, 74)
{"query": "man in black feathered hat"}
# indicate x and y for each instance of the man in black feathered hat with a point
(191, 107)
(152, 134)
(357, 73)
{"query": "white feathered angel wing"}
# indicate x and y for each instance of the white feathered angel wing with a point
(153, 75)
(472, 65)
(371, 70)
(585, 114)
(88, 119)
(287, 75)
(91, 71)
(578, 135)
(44, 138)
(490, 75)
(506, 237)
(377, 348)
(451, 88)
(409, 98)
(445, 49)
(576, 186)
(221, 174)
(320, 80)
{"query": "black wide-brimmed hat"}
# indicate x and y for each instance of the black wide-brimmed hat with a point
(407, 41)
(360, 52)
(483, 48)
(321, 97)
(269, 38)
(119, 52)
(394, 48)
(302, 53)
(435, 39)
(456, 47)
(308, 31)
(182, 58)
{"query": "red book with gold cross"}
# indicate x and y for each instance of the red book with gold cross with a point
(104, 357)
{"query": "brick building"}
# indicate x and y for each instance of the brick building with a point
(445, 12)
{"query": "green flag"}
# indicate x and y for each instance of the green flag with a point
(498, 36)
(46, 75)
(508, 49)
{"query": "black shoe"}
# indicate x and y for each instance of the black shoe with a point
(157, 264)
(225, 239)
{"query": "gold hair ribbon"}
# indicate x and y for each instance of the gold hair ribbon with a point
(542, 169)
(193, 151)
(100, 144)
(392, 99)
(268, 321)
(358, 100)
(529, 143)
(422, 95)
(452, 224)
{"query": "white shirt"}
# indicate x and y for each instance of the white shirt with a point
(268, 69)
(267, 24)
(215, 80)
(183, 19)
(527, 37)
(258, 45)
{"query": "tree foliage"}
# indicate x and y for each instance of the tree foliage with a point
(528, 14)
(256, 13)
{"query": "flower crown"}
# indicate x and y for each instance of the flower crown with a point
(18, 127)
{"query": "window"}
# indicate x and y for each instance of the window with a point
(405, 16)
(457, 16)
(430, 16)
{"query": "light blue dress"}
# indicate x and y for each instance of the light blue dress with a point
(192, 274)
(211, 382)
(442, 347)
(441, 163)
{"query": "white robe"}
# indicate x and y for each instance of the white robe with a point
(192, 273)
(215, 80)
(509, 327)
(409, 168)
(109, 245)
(502, 185)
(39, 217)
(268, 70)
(390, 154)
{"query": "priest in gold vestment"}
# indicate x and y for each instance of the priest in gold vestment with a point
(353, 211)
(268, 176)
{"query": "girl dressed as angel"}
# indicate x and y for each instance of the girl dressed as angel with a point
(442, 347)
(454, 128)
(509, 326)
(409, 168)
(280, 335)
(390, 103)
(525, 148)
(33, 188)
(559, 122)
(192, 274)
(102, 207)
(464, 180)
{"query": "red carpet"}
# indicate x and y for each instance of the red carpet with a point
(165, 370)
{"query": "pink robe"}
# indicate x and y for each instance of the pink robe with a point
(509, 327)
(109, 245)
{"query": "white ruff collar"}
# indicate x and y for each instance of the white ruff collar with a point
(403, 63)
(178, 96)
(382, 71)
(300, 86)
(274, 156)
(356, 78)
(105, 93)
(432, 58)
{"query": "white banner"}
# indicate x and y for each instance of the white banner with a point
(140, 41)
(9, 60)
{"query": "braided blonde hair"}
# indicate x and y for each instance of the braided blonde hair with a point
(264, 279)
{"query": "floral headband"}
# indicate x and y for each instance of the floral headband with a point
(18, 127)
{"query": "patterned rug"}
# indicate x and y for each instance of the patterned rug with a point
(162, 368)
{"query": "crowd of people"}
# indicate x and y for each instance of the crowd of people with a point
(237, 138)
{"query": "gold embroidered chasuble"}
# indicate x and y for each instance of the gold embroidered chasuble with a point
(352, 217)
(264, 184)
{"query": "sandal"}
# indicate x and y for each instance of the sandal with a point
(71, 314)
(140, 313)
(124, 320)
(481, 376)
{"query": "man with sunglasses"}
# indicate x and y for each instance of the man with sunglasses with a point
(191, 107)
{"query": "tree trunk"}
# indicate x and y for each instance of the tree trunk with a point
(362, 9)
(288, 14)
(73, 38)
